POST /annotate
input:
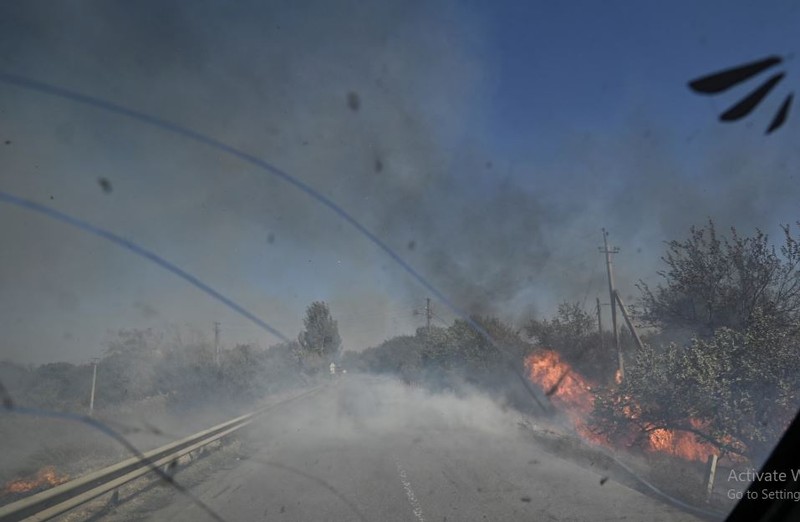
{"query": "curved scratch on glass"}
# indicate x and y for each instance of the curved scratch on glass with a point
(99, 426)
(60, 92)
(34, 85)
(142, 252)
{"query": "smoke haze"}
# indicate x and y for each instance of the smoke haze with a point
(490, 173)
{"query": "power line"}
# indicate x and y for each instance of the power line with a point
(445, 323)
(216, 343)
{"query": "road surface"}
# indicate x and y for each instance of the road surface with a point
(365, 449)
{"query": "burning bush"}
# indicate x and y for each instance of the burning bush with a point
(568, 390)
(573, 334)
(732, 383)
(735, 383)
(720, 391)
(579, 399)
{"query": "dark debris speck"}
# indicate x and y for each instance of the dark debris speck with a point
(603, 480)
(525, 499)
(105, 184)
(353, 101)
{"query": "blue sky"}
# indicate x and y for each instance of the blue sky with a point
(563, 65)
(491, 143)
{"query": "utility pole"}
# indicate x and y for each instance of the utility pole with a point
(428, 315)
(629, 322)
(216, 343)
(599, 324)
(94, 386)
(612, 292)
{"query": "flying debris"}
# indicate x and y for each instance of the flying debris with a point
(721, 81)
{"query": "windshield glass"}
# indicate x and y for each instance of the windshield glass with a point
(461, 260)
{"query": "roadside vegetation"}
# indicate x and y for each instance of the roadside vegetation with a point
(721, 333)
(722, 360)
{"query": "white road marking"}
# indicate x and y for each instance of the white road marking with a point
(412, 499)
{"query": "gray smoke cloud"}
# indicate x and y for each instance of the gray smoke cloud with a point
(379, 107)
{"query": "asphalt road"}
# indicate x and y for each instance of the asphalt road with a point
(363, 449)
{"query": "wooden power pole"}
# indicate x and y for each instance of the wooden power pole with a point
(629, 322)
(612, 292)
(600, 324)
(94, 386)
(428, 315)
(216, 344)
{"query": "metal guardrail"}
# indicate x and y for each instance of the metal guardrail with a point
(64, 497)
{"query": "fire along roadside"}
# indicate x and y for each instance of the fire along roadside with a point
(68, 495)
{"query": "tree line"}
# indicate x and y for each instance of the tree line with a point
(138, 365)
(721, 358)
(720, 355)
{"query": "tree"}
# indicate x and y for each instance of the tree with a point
(461, 348)
(320, 341)
(720, 389)
(573, 334)
(459, 353)
(59, 386)
(447, 357)
(282, 368)
(242, 371)
(128, 371)
(400, 356)
(735, 382)
(712, 282)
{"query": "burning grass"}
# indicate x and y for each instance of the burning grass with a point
(45, 478)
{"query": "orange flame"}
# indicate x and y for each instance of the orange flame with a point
(559, 381)
(46, 477)
(567, 389)
(680, 443)
(573, 394)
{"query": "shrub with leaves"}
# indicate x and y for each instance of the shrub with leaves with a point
(735, 382)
